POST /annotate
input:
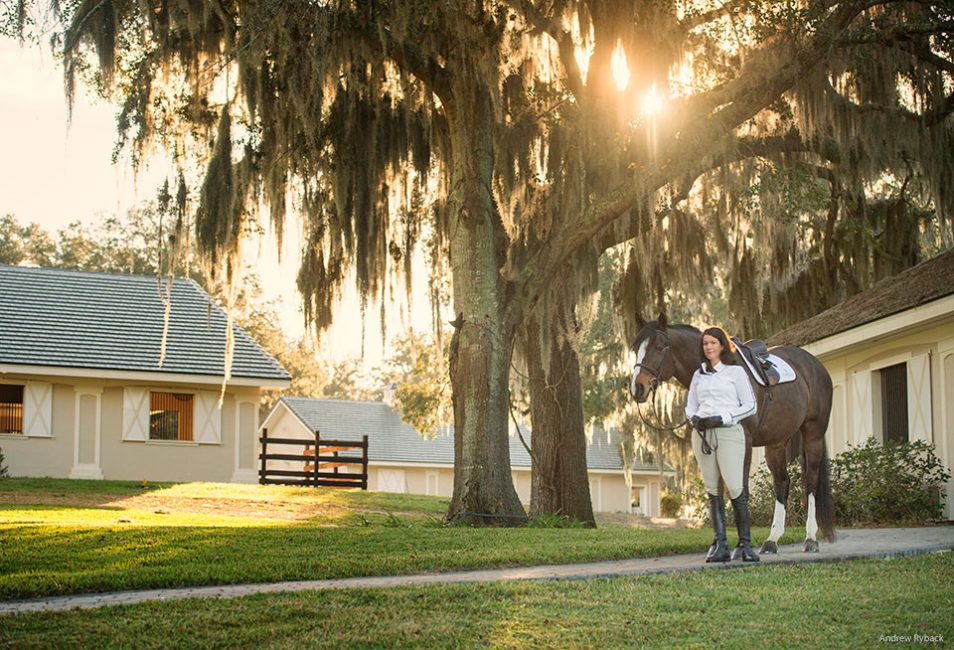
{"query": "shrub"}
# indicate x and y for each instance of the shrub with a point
(871, 484)
(888, 484)
(762, 496)
(555, 520)
(670, 503)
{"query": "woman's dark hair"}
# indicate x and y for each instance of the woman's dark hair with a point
(728, 347)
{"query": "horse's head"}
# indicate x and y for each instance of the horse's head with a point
(654, 360)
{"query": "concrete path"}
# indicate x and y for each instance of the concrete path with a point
(851, 544)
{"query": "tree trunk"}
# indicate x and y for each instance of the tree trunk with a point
(559, 482)
(482, 344)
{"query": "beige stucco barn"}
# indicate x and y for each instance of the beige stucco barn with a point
(83, 393)
(890, 352)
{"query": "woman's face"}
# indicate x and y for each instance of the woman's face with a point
(712, 348)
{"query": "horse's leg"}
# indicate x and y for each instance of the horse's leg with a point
(812, 454)
(775, 459)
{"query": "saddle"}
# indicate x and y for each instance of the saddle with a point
(757, 353)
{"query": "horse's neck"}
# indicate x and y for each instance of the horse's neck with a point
(687, 353)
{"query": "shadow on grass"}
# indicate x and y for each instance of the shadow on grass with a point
(41, 560)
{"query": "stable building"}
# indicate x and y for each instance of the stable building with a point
(89, 388)
(401, 460)
(890, 352)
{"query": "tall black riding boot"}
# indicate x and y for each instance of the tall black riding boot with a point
(719, 551)
(743, 551)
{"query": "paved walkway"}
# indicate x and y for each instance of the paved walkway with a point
(851, 544)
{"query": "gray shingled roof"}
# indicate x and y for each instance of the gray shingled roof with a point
(64, 318)
(391, 440)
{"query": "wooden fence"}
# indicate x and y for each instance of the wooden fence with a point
(315, 462)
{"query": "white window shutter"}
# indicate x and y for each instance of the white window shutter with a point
(38, 409)
(135, 414)
(208, 418)
(919, 398)
(862, 414)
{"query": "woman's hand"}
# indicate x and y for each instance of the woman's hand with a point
(711, 422)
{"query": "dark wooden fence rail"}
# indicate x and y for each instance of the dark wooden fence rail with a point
(324, 456)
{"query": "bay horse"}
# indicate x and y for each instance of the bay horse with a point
(666, 351)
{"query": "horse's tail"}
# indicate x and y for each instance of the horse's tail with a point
(824, 503)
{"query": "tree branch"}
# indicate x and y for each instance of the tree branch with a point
(695, 20)
(566, 47)
(699, 130)
(928, 119)
(406, 57)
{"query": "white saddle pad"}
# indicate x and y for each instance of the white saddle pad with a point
(786, 372)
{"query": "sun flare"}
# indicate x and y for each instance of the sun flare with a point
(652, 103)
(620, 66)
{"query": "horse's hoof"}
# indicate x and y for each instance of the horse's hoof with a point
(768, 546)
(811, 546)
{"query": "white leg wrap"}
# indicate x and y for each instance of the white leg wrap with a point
(778, 522)
(811, 526)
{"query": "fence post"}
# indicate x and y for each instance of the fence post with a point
(261, 472)
(314, 466)
(364, 467)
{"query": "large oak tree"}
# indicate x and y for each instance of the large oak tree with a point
(496, 128)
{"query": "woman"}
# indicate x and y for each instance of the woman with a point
(720, 397)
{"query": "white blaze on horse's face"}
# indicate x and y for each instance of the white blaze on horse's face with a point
(640, 355)
(641, 352)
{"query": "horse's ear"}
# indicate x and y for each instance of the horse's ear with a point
(640, 321)
(662, 321)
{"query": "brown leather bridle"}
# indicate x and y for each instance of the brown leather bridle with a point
(654, 384)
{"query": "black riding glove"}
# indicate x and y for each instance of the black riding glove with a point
(694, 421)
(710, 422)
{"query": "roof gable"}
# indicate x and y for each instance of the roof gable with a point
(77, 319)
(921, 284)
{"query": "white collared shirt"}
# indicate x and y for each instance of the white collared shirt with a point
(726, 392)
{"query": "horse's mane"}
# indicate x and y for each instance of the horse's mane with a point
(653, 326)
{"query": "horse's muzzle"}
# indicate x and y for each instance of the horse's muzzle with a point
(637, 390)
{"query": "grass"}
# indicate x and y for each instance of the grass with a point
(848, 604)
(199, 534)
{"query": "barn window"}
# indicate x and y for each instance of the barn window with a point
(170, 416)
(894, 403)
(11, 409)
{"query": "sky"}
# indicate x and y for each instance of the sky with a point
(54, 170)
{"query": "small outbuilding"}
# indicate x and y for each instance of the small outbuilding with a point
(401, 460)
(890, 352)
(83, 393)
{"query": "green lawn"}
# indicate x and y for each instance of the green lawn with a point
(848, 604)
(113, 541)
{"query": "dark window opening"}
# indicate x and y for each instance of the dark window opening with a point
(11, 409)
(894, 403)
(170, 416)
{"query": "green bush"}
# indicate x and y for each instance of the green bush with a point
(555, 520)
(762, 496)
(871, 484)
(888, 484)
(670, 503)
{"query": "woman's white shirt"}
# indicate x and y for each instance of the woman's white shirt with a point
(726, 392)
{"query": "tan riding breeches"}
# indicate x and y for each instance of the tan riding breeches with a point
(727, 458)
